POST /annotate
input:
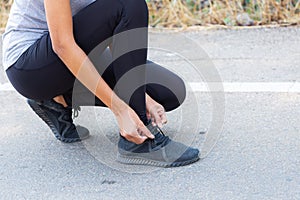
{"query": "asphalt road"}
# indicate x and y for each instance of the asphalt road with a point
(256, 155)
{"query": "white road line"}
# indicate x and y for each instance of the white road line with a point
(275, 87)
(228, 87)
(6, 87)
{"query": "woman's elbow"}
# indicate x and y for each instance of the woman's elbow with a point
(61, 46)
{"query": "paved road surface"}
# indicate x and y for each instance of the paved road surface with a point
(256, 157)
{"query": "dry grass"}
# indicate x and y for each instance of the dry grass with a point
(184, 13)
(179, 13)
(4, 12)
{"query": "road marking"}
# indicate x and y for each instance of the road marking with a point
(228, 87)
(6, 87)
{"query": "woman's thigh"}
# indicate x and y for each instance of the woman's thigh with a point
(40, 74)
(164, 86)
(43, 83)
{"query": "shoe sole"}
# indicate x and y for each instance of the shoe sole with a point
(36, 108)
(143, 161)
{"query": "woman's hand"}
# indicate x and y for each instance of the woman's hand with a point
(155, 112)
(131, 127)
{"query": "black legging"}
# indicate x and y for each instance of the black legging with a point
(40, 74)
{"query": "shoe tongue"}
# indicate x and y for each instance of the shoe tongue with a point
(160, 138)
(66, 113)
(154, 129)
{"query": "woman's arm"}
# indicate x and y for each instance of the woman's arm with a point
(59, 19)
(64, 45)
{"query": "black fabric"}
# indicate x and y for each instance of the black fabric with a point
(39, 74)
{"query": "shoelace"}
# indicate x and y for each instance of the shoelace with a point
(160, 138)
(71, 113)
(76, 111)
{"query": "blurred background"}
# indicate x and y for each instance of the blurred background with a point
(185, 13)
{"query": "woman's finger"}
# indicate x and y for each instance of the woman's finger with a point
(158, 120)
(134, 137)
(153, 122)
(144, 132)
(163, 118)
(162, 115)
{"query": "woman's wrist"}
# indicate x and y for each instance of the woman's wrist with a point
(117, 105)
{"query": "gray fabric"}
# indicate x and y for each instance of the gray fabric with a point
(27, 23)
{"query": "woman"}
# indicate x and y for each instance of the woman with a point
(45, 47)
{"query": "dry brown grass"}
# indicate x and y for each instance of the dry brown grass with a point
(179, 13)
(4, 12)
(184, 13)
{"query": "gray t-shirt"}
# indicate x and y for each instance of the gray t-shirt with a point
(27, 23)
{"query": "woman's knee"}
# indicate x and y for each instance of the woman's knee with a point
(180, 91)
(170, 96)
(175, 98)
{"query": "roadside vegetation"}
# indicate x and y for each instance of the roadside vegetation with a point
(185, 13)
(4, 12)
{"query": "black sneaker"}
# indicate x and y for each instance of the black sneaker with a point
(160, 151)
(59, 119)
